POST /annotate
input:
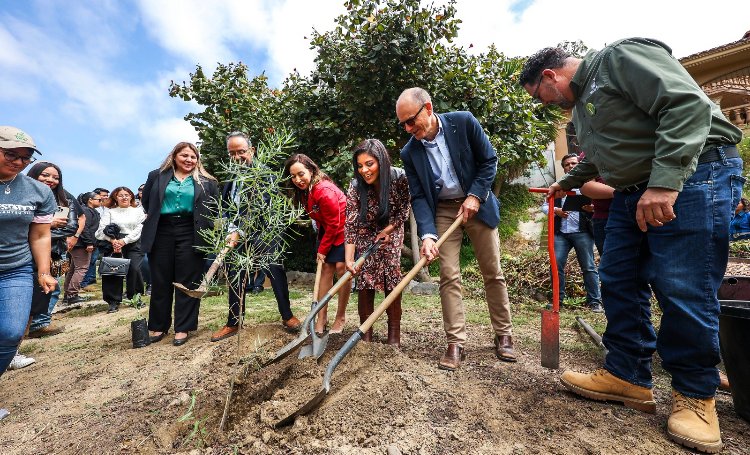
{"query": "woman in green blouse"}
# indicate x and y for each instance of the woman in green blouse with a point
(179, 199)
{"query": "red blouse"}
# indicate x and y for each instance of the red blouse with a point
(326, 204)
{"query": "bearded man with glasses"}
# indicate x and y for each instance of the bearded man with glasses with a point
(451, 165)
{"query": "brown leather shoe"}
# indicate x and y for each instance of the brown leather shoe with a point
(47, 331)
(292, 324)
(452, 358)
(504, 348)
(224, 332)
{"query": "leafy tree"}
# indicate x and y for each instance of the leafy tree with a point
(377, 49)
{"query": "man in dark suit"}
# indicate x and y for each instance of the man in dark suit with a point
(451, 165)
(240, 149)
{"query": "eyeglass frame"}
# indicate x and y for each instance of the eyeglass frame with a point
(24, 160)
(410, 121)
(538, 84)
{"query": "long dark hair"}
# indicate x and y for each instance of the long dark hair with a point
(59, 192)
(316, 175)
(377, 150)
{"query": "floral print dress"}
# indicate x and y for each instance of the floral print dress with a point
(382, 270)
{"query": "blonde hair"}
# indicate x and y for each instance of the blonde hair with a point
(199, 169)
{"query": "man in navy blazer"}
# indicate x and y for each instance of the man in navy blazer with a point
(451, 166)
(240, 149)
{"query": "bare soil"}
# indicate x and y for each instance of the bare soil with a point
(90, 392)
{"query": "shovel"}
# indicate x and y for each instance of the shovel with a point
(307, 325)
(202, 290)
(551, 318)
(592, 333)
(316, 342)
(356, 336)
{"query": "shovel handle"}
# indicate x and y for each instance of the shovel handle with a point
(405, 281)
(316, 286)
(214, 267)
(551, 246)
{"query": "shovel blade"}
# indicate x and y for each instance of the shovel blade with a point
(312, 404)
(198, 293)
(550, 339)
(316, 348)
(288, 349)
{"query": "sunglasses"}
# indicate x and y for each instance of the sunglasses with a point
(410, 121)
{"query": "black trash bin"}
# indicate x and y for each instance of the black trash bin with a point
(734, 333)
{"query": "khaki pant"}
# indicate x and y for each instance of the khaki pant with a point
(486, 243)
(79, 265)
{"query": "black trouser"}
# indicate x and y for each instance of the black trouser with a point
(112, 285)
(173, 259)
(277, 276)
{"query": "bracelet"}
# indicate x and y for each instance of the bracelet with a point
(43, 274)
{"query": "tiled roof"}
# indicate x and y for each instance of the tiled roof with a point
(723, 47)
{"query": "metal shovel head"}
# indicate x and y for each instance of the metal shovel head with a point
(317, 399)
(550, 339)
(289, 348)
(196, 293)
(317, 345)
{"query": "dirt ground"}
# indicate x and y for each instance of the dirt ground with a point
(90, 392)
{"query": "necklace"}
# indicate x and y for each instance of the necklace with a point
(7, 184)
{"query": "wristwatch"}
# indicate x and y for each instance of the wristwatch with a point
(76, 236)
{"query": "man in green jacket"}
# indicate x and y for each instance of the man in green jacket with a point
(651, 133)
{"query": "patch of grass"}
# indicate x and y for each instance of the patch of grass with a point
(73, 346)
(87, 311)
(31, 347)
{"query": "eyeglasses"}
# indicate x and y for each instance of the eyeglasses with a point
(12, 156)
(410, 121)
(538, 84)
(95, 199)
(239, 152)
(123, 196)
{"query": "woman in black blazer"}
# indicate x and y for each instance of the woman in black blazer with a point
(179, 199)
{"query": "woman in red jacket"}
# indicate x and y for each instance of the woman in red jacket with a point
(325, 203)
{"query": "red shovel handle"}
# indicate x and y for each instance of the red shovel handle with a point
(551, 247)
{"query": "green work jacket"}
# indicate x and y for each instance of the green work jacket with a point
(640, 117)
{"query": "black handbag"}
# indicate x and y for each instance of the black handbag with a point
(112, 266)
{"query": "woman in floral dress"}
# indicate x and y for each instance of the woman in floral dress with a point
(377, 207)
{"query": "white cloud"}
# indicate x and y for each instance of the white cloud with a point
(687, 29)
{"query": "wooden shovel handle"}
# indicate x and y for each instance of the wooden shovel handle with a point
(405, 281)
(214, 267)
(316, 287)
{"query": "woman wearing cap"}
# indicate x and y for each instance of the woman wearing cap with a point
(179, 199)
(27, 209)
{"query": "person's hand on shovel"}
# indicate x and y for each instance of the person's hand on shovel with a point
(469, 208)
(233, 239)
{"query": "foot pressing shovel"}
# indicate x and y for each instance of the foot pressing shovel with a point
(551, 318)
(307, 326)
(203, 289)
(316, 341)
(354, 339)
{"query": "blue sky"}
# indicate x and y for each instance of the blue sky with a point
(89, 79)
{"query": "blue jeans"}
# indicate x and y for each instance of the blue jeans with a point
(684, 262)
(598, 225)
(583, 243)
(90, 276)
(16, 287)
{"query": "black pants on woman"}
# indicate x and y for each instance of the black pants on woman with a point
(173, 259)
(112, 285)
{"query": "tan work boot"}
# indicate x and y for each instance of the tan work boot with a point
(694, 423)
(603, 386)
